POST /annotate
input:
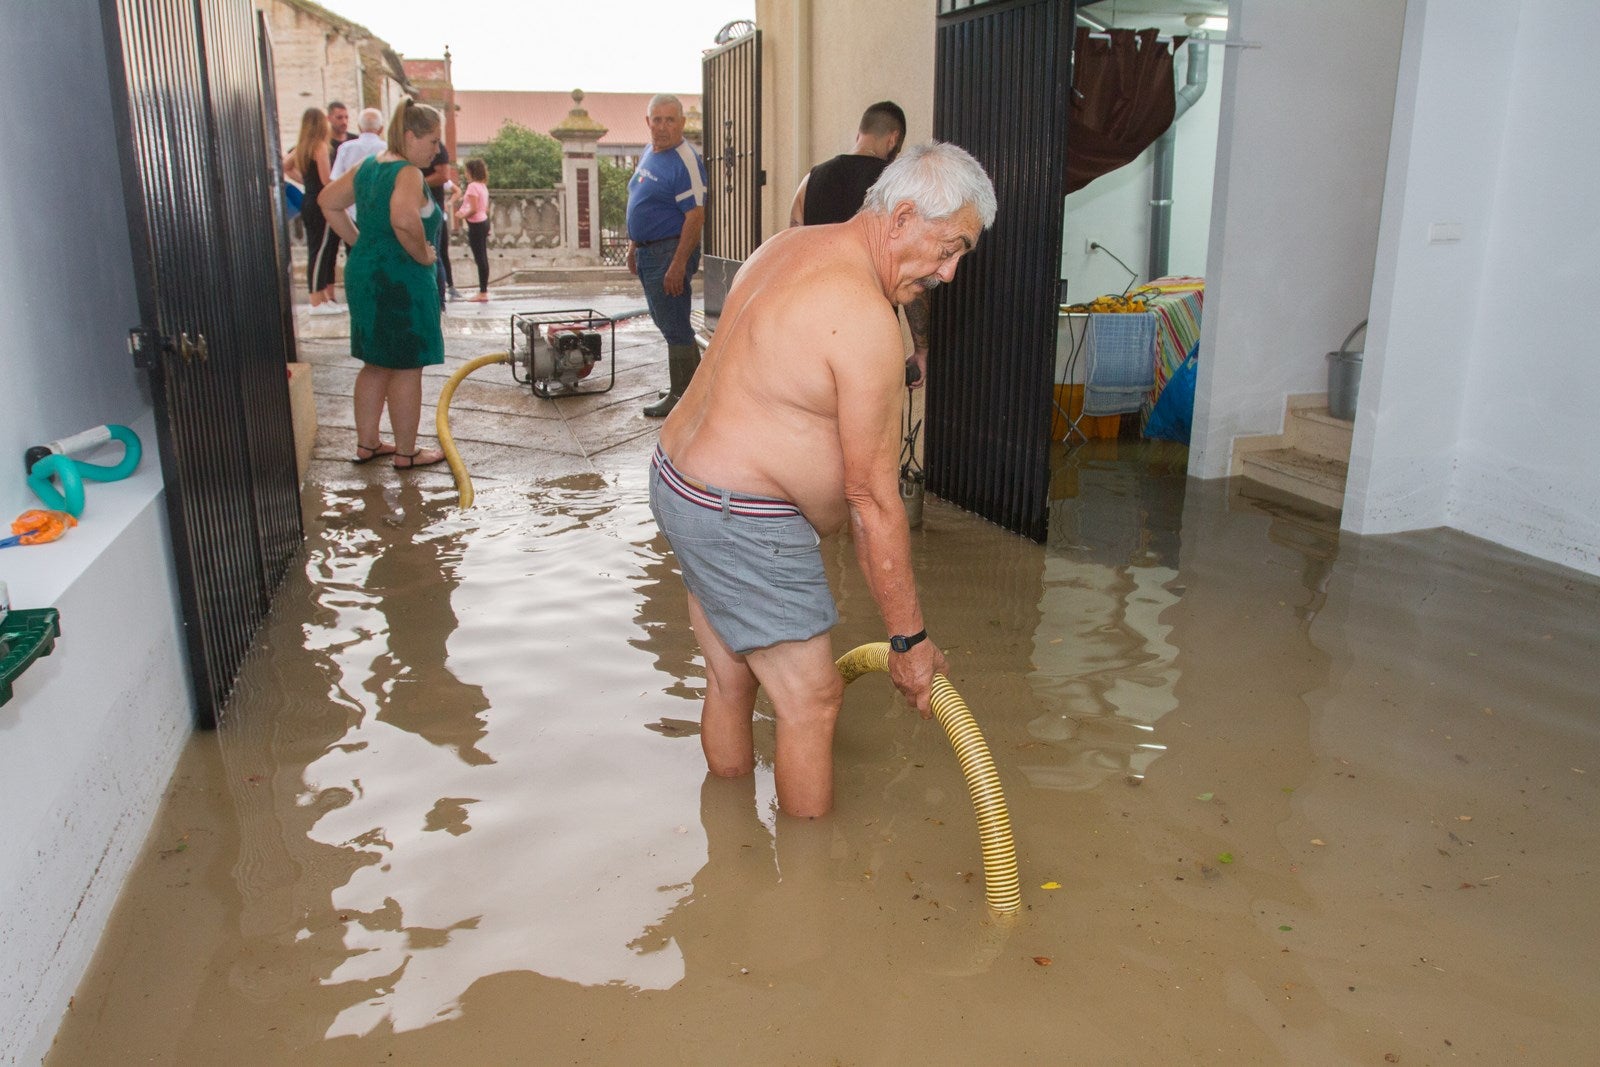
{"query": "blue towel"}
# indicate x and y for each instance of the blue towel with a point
(1170, 419)
(1121, 363)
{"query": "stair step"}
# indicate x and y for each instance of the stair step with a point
(1315, 431)
(1314, 477)
(1322, 414)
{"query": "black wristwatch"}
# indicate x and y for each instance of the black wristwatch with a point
(902, 643)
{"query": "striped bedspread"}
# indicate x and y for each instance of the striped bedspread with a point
(1176, 303)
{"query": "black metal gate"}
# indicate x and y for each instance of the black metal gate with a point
(732, 135)
(197, 163)
(1002, 77)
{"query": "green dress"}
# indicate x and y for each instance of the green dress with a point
(394, 300)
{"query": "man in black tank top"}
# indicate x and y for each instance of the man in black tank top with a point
(833, 192)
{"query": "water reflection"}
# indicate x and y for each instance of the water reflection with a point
(1103, 667)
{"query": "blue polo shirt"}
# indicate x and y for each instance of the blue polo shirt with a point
(665, 187)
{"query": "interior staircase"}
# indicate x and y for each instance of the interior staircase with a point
(1309, 459)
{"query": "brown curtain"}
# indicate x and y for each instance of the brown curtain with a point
(1123, 99)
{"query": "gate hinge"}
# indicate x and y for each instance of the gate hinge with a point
(146, 347)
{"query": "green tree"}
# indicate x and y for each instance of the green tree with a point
(614, 195)
(519, 158)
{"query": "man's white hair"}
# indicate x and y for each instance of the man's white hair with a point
(938, 179)
(370, 120)
(663, 98)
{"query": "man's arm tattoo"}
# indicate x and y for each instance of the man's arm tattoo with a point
(917, 315)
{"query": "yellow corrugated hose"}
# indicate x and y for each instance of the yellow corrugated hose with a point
(441, 423)
(1000, 884)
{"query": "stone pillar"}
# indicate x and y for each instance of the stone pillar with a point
(580, 138)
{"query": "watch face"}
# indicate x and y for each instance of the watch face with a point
(902, 643)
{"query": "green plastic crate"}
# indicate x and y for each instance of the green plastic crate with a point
(29, 633)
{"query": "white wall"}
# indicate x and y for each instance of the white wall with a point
(92, 732)
(823, 63)
(1302, 144)
(1114, 209)
(1480, 389)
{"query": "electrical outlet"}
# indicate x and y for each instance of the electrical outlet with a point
(1090, 246)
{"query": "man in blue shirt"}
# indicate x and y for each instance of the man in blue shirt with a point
(666, 212)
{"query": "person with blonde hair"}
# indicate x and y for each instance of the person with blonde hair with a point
(308, 163)
(389, 281)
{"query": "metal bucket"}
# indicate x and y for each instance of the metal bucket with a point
(911, 490)
(1344, 378)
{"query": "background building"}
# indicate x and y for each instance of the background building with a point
(482, 113)
(319, 57)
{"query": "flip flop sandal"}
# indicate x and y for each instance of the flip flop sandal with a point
(373, 453)
(411, 460)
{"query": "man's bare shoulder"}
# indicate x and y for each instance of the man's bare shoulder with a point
(827, 268)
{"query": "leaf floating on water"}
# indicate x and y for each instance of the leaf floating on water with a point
(1319, 842)
(1225, 857)
(1043, 961)
(1286, 929)
(1051, 885)
(1205, 796)
(1464, 818)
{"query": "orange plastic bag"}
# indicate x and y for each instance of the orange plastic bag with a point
(37, 526)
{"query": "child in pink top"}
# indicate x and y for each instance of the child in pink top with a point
(475, 210)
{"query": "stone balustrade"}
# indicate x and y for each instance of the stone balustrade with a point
(524, 218)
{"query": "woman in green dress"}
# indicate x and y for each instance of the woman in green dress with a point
(389, 284)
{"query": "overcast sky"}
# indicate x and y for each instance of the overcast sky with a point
(600, 45)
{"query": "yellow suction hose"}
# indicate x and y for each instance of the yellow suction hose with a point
(1000, 884)
(441, 423)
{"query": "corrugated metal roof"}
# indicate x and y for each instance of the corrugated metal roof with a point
(483, 111)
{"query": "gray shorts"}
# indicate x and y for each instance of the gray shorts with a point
(752, 562)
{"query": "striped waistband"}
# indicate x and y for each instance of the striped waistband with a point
(756, 507)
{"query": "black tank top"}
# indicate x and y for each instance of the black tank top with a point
(835, 189)
(313, 184)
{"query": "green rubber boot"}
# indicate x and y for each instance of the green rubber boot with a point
(681, 363)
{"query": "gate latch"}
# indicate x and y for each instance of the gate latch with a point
(146, 346)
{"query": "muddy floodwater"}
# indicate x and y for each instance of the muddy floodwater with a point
(1280, 796)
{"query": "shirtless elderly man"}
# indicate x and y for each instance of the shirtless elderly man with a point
(790, 428)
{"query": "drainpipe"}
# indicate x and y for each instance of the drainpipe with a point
(1161, 161)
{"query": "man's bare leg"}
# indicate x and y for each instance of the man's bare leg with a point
(806, 690)
(725, 734)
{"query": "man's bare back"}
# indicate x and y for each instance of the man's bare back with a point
(808, 323)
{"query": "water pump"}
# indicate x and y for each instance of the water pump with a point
(554, 351)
